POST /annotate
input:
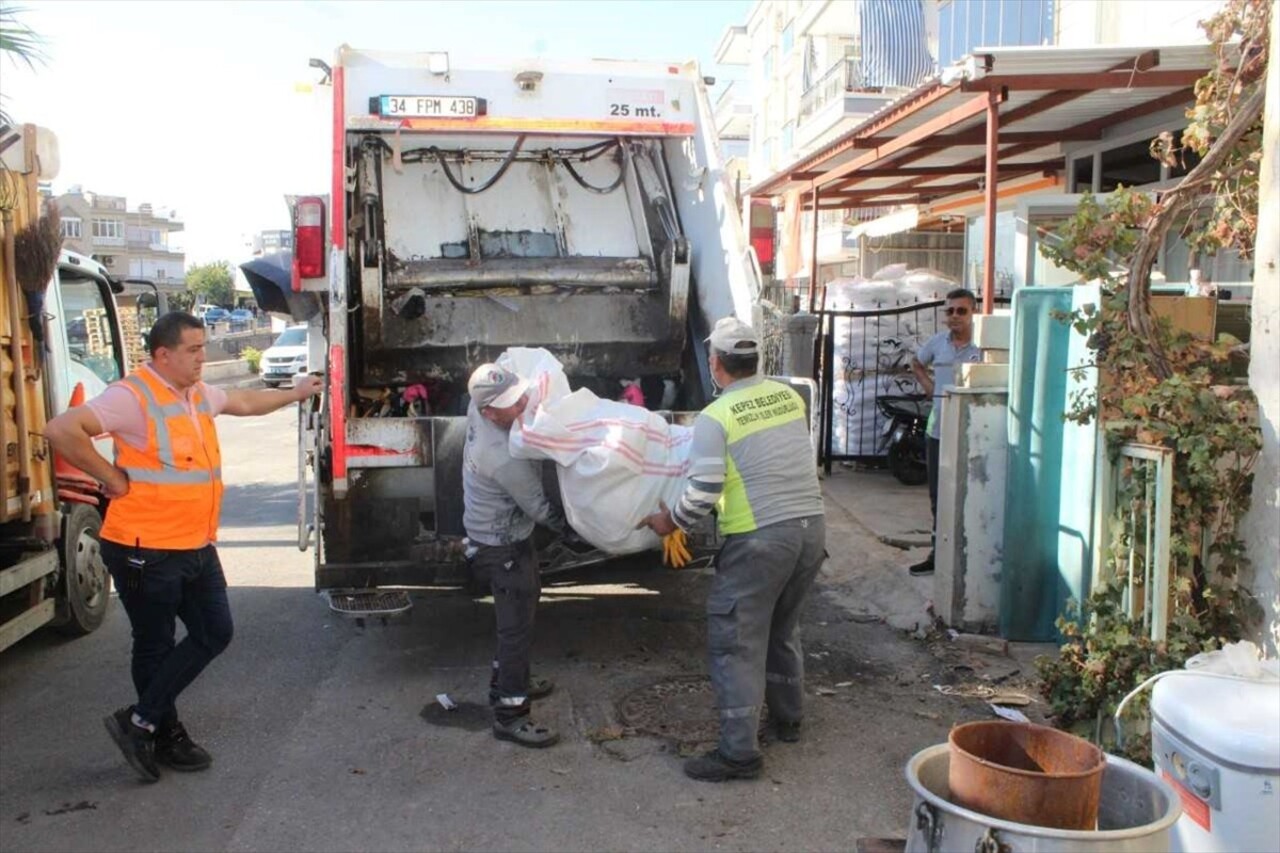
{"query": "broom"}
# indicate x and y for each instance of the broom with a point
(36, 248)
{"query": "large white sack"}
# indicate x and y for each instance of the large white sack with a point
(614, 461)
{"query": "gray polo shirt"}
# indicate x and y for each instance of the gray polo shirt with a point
(502, 497)
(940, 354)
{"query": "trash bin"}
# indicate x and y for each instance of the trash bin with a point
(1216, 740)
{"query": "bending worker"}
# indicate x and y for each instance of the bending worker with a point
(502, 499)
(165, 492)
(753, 461)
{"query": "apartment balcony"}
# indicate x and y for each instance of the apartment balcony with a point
(838, 94)
(733, 112)
(827, 18)
(734, 47)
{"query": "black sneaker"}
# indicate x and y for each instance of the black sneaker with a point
(788, 731)
(714, 767)
(175, 749)
(136, 743)
(924, 567)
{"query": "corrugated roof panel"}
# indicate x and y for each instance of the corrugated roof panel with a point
(1007, 61)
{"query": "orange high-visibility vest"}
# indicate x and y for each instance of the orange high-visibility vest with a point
(175, 481)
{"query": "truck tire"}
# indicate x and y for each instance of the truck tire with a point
(85, 590)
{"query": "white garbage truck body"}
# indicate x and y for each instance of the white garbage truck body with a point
(581, 207)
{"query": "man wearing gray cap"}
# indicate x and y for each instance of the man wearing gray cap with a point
(502, 500)
(752, 460)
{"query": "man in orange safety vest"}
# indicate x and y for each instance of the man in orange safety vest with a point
(165, 494)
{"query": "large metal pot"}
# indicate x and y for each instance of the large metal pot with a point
(1136, 812)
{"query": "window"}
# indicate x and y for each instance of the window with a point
(1082, 180)
(966, 24)
(767, 65)
(788, 134)
(91, 337)
(1131, 165)
(111, 228)
(71, 228)
(788, 38)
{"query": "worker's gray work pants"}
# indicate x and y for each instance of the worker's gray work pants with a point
(753, 627)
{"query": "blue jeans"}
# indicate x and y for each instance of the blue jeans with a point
(188, 585)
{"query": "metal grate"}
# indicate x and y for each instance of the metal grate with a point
(372, 602)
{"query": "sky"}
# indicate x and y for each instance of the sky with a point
(203, 108)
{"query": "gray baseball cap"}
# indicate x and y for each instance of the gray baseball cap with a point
(491, 385)
(735, 337)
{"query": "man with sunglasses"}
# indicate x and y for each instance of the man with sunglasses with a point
(935, 368)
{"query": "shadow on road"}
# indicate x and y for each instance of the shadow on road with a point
(259, 504)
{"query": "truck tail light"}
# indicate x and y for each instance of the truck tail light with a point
(308, 239)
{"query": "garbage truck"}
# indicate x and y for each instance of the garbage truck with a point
(61, 342)
(580, 207)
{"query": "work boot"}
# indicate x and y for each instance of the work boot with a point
(176, 749)
(714, 767)
(787, 731)
(525, 732)
(924, 567)
(136, 743)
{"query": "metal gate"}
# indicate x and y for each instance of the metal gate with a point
(865, 356)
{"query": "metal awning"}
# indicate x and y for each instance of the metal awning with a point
(999, 114)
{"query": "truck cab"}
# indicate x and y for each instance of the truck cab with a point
(50, 514)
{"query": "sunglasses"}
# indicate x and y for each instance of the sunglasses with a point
(959, 312)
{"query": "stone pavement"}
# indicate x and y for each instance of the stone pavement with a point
(889, 523)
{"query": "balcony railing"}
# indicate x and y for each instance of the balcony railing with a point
(844, 76)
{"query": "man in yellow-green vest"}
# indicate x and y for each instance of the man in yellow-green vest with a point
(753, 462)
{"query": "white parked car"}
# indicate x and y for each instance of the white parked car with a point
(285, 358)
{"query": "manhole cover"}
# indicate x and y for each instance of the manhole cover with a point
(681, 708)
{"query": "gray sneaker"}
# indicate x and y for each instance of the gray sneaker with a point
(525, 732)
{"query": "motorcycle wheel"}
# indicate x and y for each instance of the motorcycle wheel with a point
(907, 461)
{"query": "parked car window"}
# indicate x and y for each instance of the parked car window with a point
(292, 338)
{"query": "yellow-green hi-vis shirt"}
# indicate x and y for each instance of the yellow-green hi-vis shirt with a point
(752, 458)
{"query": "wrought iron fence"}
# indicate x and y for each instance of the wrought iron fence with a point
(865, 357)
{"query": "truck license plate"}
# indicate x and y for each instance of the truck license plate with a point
(429, 106)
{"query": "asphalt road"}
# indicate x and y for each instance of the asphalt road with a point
(324, 736)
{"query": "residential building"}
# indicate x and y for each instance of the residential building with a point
(129, 243)
(272, 242)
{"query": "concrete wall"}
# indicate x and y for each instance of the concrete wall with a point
(1262, 525)
(1132, 22)
(971, 493)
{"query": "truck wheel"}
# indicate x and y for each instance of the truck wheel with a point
(86, 589)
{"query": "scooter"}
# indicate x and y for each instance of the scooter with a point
(904, 436)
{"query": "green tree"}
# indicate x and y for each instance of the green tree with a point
(212, 283)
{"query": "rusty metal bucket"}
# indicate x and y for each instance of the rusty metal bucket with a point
(1026, 773)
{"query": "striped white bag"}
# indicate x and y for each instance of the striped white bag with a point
(615, 461)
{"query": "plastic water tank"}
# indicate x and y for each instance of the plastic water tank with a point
(1217, 742)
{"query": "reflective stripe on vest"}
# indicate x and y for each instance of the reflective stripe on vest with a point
(175, 478)
(158, 415)
(748, 415)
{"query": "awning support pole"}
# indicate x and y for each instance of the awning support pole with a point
(813, 257)
(992, 181)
